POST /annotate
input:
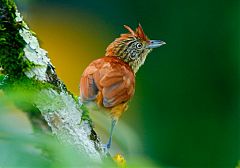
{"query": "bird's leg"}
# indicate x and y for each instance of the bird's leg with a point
(108, 145)
(116, 112)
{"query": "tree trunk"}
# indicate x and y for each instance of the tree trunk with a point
(22, 59)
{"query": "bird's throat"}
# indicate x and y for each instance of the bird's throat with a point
(136, 64)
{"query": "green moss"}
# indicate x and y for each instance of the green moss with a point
(2, 80)
(85, 115)
(24, 84)
(11, 42)
(85, 111)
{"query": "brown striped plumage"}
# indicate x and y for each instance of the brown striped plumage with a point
(130, 47)
(110, 80)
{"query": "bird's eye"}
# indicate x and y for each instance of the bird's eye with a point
(138, 45)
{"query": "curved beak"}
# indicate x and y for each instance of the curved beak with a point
(155, 44)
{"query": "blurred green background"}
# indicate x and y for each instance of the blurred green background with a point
(185, 111)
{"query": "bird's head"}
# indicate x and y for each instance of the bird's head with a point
(133, 47)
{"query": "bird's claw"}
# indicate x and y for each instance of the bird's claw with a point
(105, 148)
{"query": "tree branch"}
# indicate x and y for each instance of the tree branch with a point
(22, 58)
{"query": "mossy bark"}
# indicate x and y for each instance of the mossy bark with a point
(11, 43)
(23, 62)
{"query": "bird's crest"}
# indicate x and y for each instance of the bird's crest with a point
(138, 33)
(116, 46)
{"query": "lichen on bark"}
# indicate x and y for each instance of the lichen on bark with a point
(21, 60)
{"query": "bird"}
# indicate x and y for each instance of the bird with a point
(109, 81)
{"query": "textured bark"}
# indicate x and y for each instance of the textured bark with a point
(22, 57)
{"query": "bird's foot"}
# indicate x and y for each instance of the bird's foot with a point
(105, 148)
